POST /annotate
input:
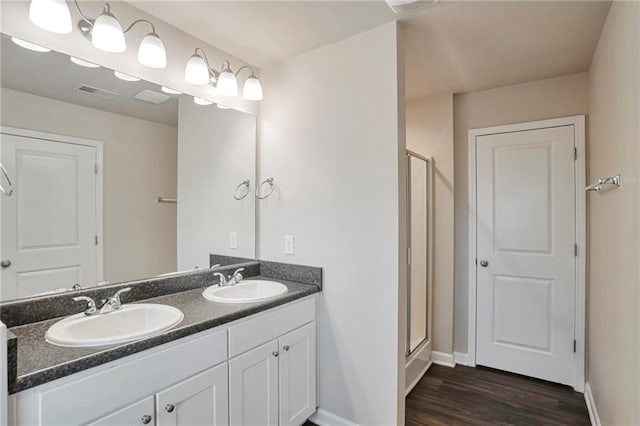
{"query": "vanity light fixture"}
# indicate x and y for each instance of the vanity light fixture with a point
(170, 91)
(223, 106)
(199, 72)
(29, 45)
(201, 101)
(125, 77)
(83, 63)
(106, 33)
(51, 15)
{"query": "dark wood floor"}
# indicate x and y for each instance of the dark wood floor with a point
(482, 396)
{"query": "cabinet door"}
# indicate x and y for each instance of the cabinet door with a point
(297, 373)
(138, 413)
(200, 400)
(253, 387)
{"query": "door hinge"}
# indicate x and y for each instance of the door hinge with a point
(96, 239)
(575, 153)
(408, 255)
(574, 346)
(96, 168)
(575, 250)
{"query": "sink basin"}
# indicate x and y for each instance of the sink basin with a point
(131, 322)
(247, 291)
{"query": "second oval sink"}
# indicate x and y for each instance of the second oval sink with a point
(131, 322)
(247, 291)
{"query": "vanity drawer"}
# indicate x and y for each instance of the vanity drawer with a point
(269, 326)
(79, 400)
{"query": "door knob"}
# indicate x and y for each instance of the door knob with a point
(5, 263)
(146, 419)
(484, 263)
(169, 408)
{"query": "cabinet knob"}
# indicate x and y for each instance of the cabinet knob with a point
(169, 408)
(286, 348)
(274, 353)
(484, 263)
(146, 419)
(5, 263)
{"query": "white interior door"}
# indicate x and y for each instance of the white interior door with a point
(526, 234)
(48, 224)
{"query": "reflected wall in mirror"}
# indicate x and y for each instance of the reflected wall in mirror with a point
(88, 154)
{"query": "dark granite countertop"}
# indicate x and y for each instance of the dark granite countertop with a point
(39, 362)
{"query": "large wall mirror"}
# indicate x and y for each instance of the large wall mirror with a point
(107, 180)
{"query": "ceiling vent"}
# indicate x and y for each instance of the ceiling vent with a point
(96, 91)
(404, 6)
(152, 97)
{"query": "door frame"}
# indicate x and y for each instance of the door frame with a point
(578, 123)
(98, 145)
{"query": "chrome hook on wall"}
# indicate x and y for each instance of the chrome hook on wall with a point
(8, 192)
(245, 183)
(271, 189)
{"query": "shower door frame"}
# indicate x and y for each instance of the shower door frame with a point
(429, 186)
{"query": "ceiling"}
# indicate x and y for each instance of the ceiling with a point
(53, 75)
(454, 46)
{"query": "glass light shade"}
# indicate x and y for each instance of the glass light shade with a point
(30, 46)
(252, 90)
(227, 84)
(51, 15)
(201, 101)
(197, 71)
(170, 91)
(223, 106)
(125, 77)
(83, 63)
(107, 34)
(151, 52)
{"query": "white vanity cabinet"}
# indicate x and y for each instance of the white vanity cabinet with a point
(259, 370)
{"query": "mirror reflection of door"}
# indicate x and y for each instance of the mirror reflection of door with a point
(49, 223)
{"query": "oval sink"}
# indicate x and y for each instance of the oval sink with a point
(247, 291)
(131, 322)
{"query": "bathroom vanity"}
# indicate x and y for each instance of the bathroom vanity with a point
(248, 363)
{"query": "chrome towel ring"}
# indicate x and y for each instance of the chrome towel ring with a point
(8, 192)
(245, 183)
(259, 188)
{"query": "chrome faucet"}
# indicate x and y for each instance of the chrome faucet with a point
(109, 305)
(233, 279)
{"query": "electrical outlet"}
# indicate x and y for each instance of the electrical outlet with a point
(233, 240)
(288, 244)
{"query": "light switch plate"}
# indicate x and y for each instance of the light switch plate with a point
(288, 244)
(233, 240)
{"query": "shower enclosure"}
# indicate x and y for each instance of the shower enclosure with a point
(419, 236)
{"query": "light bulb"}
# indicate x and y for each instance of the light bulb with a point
(252, 90)
(29, 45)
(83, 63)
(51, 15)
(170, 91)
(151, 51)
(125, 77)
(197, 71)
(201, 101)
(107, 33)
(227, 84)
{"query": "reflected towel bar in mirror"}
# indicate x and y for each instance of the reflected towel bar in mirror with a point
(167, 200)
(598, 185)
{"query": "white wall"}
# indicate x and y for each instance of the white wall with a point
(216, 151)
(140, 163)
(332, 136)
(179, 45)
(614, 219)
(430, 133)
(537, 100)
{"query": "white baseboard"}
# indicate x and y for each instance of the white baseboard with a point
(415, 382)
(324, 418)
(442, 358)
(462, 358)
(591, 406)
